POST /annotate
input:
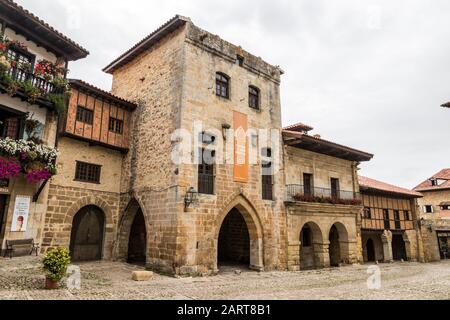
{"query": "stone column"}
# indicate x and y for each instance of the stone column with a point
(386, 238)
(256, 255)
(322, 254)
(293, 258)
(349, 251)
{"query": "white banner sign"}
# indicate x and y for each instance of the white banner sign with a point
(21, 213)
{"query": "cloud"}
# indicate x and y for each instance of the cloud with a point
(367, 74)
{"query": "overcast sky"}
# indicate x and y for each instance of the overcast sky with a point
(367, 74)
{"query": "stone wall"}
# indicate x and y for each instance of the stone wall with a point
(67, 196)
(322, 167)
(438, 220)
(200, 104)
(154, 81)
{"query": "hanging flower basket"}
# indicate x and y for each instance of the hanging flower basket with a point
(36, 161)
(9, 168)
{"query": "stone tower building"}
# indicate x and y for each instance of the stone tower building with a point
(185, 78)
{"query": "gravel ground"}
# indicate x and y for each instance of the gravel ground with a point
(21, 278)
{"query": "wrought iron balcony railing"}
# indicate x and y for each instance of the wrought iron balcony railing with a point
(300, 193)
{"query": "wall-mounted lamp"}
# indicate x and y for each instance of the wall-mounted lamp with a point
(225, 128)
(190, 198)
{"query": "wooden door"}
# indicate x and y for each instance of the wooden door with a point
(87, 234)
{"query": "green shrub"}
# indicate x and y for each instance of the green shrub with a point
(59, 101)
(55, 263)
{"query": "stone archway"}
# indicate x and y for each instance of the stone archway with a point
(132, 235)
(311, 246)
(339, 245)
(103, 206)
(87, 235)
(241, 212)
(234, 240)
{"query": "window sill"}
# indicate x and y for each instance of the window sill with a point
(89, 182)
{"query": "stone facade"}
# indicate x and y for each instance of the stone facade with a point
(320, 218)
(67, 196)
(433, 223)
(173, 83)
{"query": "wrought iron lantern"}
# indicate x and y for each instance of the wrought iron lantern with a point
(190, 198)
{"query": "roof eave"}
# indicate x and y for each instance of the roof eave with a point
(59, 44)
(387, 192)
(82, 85)
(146, 43)
(347, 152)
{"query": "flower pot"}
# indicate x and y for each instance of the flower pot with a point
(51, 284)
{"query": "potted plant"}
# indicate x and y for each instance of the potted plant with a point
(55, 265)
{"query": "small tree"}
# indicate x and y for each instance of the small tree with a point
(55, 263)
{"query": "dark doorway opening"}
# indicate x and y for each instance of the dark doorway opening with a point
(444, 244)
(86, 241)
(137, 244)
(398, 248)
(370, 247)
(335, 248)
(234, 241)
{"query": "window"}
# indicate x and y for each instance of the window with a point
(222, 85)
(434, 182)
(387, 219)
(12, 123)
(253, 97)
(407, 216)
(335, 188)
(267, 174)
(397, 219)
(367, 213)
(206, 171)
(446, 207)
(87, 172)
(308, 186)
(428, 209)
(85, 115)
(115, 125)
(240, 59)
(22, 63)
(306, 237)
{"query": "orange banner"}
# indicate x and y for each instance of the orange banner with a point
(240, 147)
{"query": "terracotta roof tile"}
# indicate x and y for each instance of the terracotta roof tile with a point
(368, 183)
(299, 127)
(444, 174)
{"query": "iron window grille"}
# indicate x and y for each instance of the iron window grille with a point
(87, 172)
(116, 125)
(85, 115)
